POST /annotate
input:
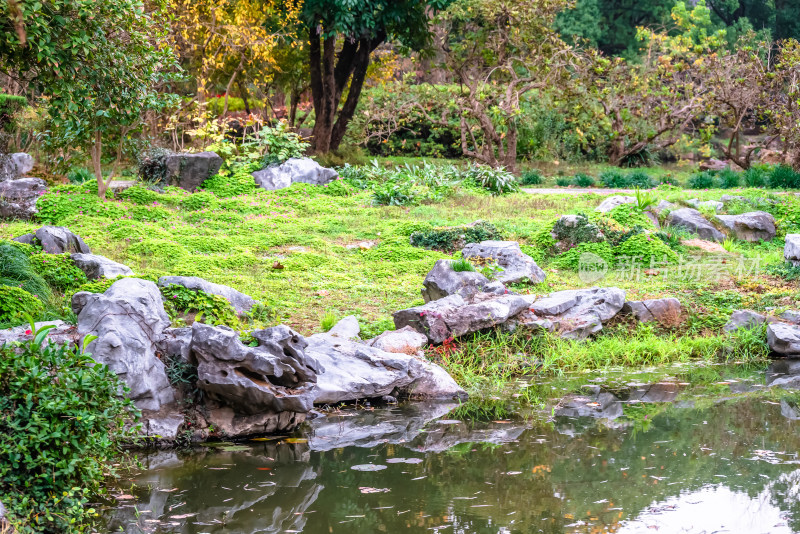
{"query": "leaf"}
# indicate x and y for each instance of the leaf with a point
(373, 490)
(368, 467)
(296, 440)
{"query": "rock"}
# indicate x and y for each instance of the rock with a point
(276, 376)
(294, 170)
(406, 340)
(753, 226)
(347, 328)
(791, 251)
(793, 316)
(597, 404)
(784, 338)
(13, 166)
(18, 197)
(571, 230)
(664, 205)
(55, 240)
(516, 266)
(713, 164)
(727, 199)
(744, 319)
(62, 334)
(163, 424)
(176, 343)
(614, 201)
(241, 303)
(452, 317)
(354, 371)
(443, 281)
(789, 410)
(694, 221)
(189, 171)
(96, 266)
(578, 313)
(666, 311)
(128, 320)
(710, 204)
(783, 373)
(230, 424)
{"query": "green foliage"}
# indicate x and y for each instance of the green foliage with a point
(617, 179)
(581, 231)
(462, 265)
(15, 303)
(496, 181)
(281, 144)
(702, 180)
(80, 175)
(17, 269)
(644, 199)
(98, 286)
(199, 201)
(55, 208)
(228, 183)
(754, 177)
(645, 250)
(629, 216)
(61, 420)
(9, 106)
(153, 166)
(571, 258)
(140, 195)
(728, 178)
(210, 309)
(59, 271)
(583, 180)
(788, 271)
(454, 238)
(328, 321)
(563, 181)
(531, 177)
(784, 177)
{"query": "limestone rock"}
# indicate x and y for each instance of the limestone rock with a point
(406, 340)
(241, 303)
(294, 170)
(711, 204)
(176, 343)
(452, 317)
(128, 320)
(596, 403)
(228, 423)
(614, 201)
(791, 251)
(96, 266)
(18, 197)
(753, 226)
(744, 319)
(163, 424)
(61, 334)
(355, 371)
(664, 205)
(347, 328)
(55, 240)
(189, 171)
(784, 338)
(442, 281)
(276, 376)
(694, 221)
(516, 266)
(14, 166)
(793, 316)
(578, 313)
(666, 311)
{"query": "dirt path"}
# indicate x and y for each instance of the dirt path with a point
(574, 191)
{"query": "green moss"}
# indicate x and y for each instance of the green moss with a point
(231, 184)
(200, 201)
(15, 302)
(629, 215)
(58, 270)
(645, 250)
(571, 258)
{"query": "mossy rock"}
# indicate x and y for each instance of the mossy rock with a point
(15, 302)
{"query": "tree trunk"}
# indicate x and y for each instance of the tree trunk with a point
(96, 152)
(243, 92)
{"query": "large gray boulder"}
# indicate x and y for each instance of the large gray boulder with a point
(294, 170)
(96, 266)
(452, 316)
(614, 201)
(128, 320)
(442, 281)
(275, 376)
(791, 251)
(784, 338)
(578, 313)
(516, 266)
(744, 319)
(663, 205)
(351, 371)
(666, 311)
(55, 240)
(693, 221)
(241, 303)
(753, 226)
(18, 197)
(347, 328)
(16, 165)
(406, 340)
(189, 171)
(710, 204)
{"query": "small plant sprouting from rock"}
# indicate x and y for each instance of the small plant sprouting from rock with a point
(462, 265)
(329, 319)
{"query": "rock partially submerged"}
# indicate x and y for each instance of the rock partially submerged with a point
(516, 266)
(128, 320)
(18, 197)
(96, 266)
(693, 220)
(596, 403)
(241, 303)
(294, 170)
(753, 226)
(55, 240)
(351, 371)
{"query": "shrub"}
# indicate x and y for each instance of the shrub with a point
(728, 178)
(462, 265)
(15, 302)
(582, 231)
(61, 419)
(394, 194)
(454, 238)
(614, 179)
(784, 177)
(16, 269)
(179, 300)
(227, 183)
(496, 181)
(140, 195)
(702, 180)
(645, 251)
(629, 216)
(80, 175)
(10, 105)
(153, 165)
(59, 271)
(531, 177)
(669, 180)
(571, 258)
(583, 180)
(754, 177)
(639, 179)
(281, 144)
(563, 181)
(198, 201)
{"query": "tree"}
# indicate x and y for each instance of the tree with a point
(337, 77)
(97, 63)
(499, 51)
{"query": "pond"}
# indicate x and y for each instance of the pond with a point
(699, 450)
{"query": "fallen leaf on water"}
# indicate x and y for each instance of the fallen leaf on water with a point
(264, 468)
(368, 467)
(404, 461)
(373, 490)
(514, 473)
(296, 440)
(268, 438)
(182, 516)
